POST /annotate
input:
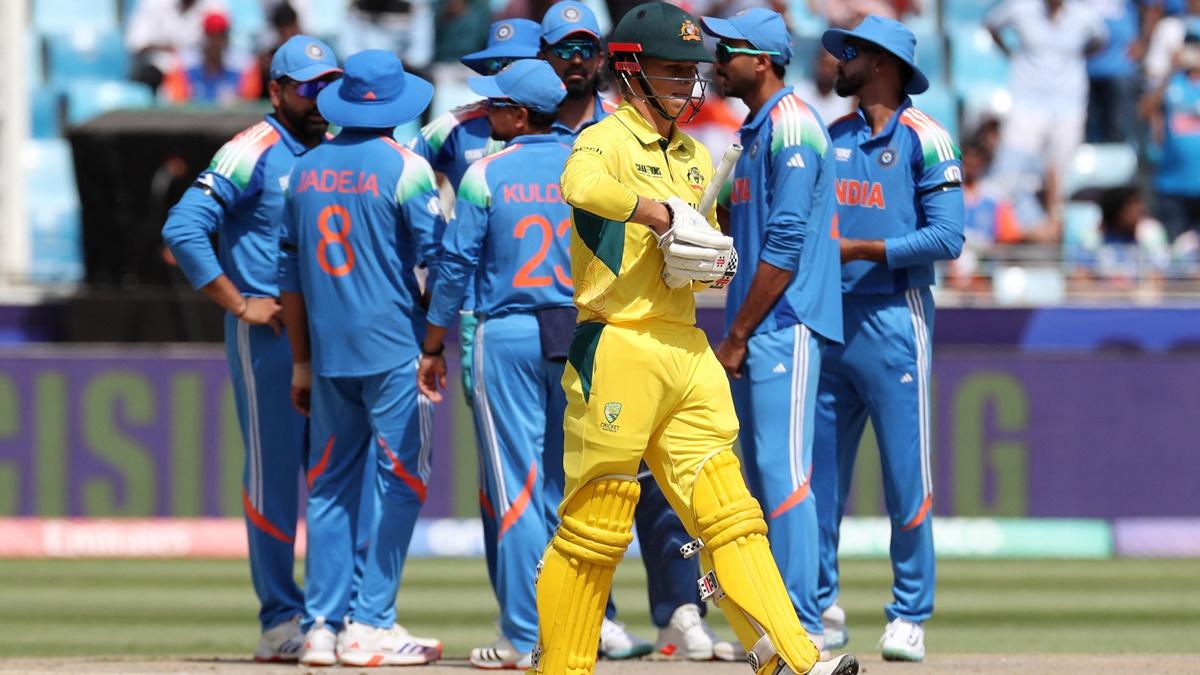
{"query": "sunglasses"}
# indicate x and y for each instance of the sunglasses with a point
(725, 53)
(566, 51)
(310, 89)
(493, 66)
(851, 52)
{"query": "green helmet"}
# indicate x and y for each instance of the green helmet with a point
(659, 30)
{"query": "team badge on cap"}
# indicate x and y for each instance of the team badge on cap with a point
(571, 14)
(689, 32)
(504, 31)
(314, 51)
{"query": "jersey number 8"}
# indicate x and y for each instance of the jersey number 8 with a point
(329, 237)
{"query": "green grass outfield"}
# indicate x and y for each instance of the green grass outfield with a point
(199, 607)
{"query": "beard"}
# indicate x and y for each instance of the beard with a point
(848, 85)
(579, 88)
(308, 125)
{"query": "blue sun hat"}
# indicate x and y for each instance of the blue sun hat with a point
(507, 39)
(374, 93)
(531, 83)
(888, 34)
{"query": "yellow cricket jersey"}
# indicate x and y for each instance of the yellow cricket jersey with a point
(615, 263)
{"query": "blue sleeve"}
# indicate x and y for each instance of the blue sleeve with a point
(289, 264)
(420, 208)
(420, 145)
(193, 221)
(794, 170)
(461, 248)
(937, 173)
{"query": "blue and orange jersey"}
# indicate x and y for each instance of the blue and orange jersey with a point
(362, 215)
(782, 212)
(239, 198)
(512, 225)
(455, 140)
(903, 186)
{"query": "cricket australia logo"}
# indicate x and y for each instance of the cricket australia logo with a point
(611, 412)
(694, 176)
(688, 32)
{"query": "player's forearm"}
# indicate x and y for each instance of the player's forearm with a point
(653, 214)
(222, 292)
(189, 225)
(435, 339)
(295, 320)
(768, 286)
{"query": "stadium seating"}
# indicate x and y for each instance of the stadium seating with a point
(1101, 166)
(52, 205)
(804, 22)
(1081, 226)
(86, 54)
(975, 60)
(931, 57)
(44, 113)
(957, 13)
(65, 16)
(89, 98)
(35, 72)
(247, 22)
(325, 18)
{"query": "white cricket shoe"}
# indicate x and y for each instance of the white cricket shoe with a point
(432, 645)
(500, 655)
(845, 664)
(836, 633)
(903, 640)
(320, 645)
(617, 643)
(684, 636)
(281, 643)
(367, 646)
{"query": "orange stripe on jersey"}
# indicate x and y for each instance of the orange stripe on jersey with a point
(916, 522)
(400, 472)
(260, 521)
(319, 468)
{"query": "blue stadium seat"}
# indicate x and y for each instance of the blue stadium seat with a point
(804, 22)
(1081, 226)
(247, 22)
(64, 16)
(942, 106)
(89, 98)
(1103, 165)
(931, 57)
(35, 72)
(86, 54)
(43, 108)
(975, 60)
(965, 12)
(325, 19)
(52, 205)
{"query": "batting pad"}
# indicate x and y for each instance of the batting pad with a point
(577, 573)
(740, 573)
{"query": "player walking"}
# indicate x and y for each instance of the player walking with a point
(362, 213)
(900, 208)
(240, 198)
(511, 225)
(779, 316)
(641, 380)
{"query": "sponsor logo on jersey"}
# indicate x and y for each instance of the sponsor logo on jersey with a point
(648, 170)
(953, 174)
(866, 194)
(842, 154)
(796, 161)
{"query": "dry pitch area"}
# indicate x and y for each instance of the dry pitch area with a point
(1024, 617)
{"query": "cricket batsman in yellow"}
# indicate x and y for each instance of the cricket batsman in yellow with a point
(641, 380)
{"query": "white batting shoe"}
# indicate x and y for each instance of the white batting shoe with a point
(845, 664)
(281, 643)
(432, 645)
(836, 633)
(320, 645)
(684, 636)
(500, 655)
(367, 646)
(903, 640)
(618, 644)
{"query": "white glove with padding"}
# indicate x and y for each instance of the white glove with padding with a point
(694, 251)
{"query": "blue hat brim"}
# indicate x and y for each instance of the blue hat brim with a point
(485, 86)
(375, 114)
(834, 40)
(722, 28)
(475, 60)
(560, 34)
(312, 72)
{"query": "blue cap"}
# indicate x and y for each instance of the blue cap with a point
(374, 93)
(760, 27)
(567, 18)
(531, 83)
(893, 36)
(508, 39)
(303, 58)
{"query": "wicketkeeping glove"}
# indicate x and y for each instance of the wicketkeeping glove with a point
(694, 251)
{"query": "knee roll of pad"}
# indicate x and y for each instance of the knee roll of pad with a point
(597, 522)
(725, 510)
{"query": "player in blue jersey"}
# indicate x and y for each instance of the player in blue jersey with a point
(779, 316)
(510, 235)
(900, 209)
(240, 198)
(362, 214)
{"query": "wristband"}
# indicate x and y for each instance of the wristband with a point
(438, 352)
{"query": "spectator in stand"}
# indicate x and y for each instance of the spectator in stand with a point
(819, 93)
(1049, 89)
(462, 28)
(405, 27)
(1131, 247)
(1174, 112)
(990, 219)
(211, 78)
(1166, 41)
(160, 30)
(848, 13)
(1113, 74)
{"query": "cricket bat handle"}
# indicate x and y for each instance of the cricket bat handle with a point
(713, 190)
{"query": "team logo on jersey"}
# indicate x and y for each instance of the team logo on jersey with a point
(695, 177)
(434, 206)
(283, 183)
(571, 14)
(688, 31)
(754, 150)
(504, 31)
(612, 411)
(314, 51)
(842, 154)
(887, 158)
